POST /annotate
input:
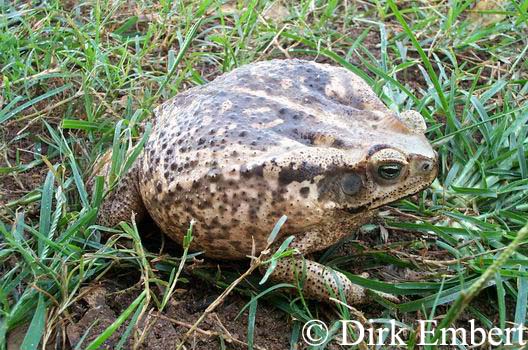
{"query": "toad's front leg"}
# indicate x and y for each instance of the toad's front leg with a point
(318, 281)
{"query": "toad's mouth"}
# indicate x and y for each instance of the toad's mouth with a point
(357, 210)
(390, 197)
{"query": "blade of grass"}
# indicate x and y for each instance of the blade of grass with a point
(423, 56)
(520, 306)
(36, 327)
(45, 212)
(251, 324)
(183, 49)
(107, 333)
(6, 115)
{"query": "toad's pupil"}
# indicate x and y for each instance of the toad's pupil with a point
(389, 171)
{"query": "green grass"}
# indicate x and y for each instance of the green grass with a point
(76, 81)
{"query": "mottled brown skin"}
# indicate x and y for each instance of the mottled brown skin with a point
(273, 138)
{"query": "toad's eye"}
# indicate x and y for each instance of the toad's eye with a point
(390, 171)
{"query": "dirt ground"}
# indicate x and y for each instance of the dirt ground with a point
(105, 301)
(20, 144)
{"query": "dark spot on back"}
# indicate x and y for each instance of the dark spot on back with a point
(256, 171)
(305, 172)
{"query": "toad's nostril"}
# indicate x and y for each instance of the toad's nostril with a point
(351, 184)
(426, 166)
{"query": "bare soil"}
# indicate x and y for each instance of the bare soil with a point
(107, 300)
(20, 144)
(104, 301)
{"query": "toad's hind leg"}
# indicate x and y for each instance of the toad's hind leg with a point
(125, 198)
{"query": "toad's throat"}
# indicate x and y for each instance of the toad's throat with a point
(357, 210)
